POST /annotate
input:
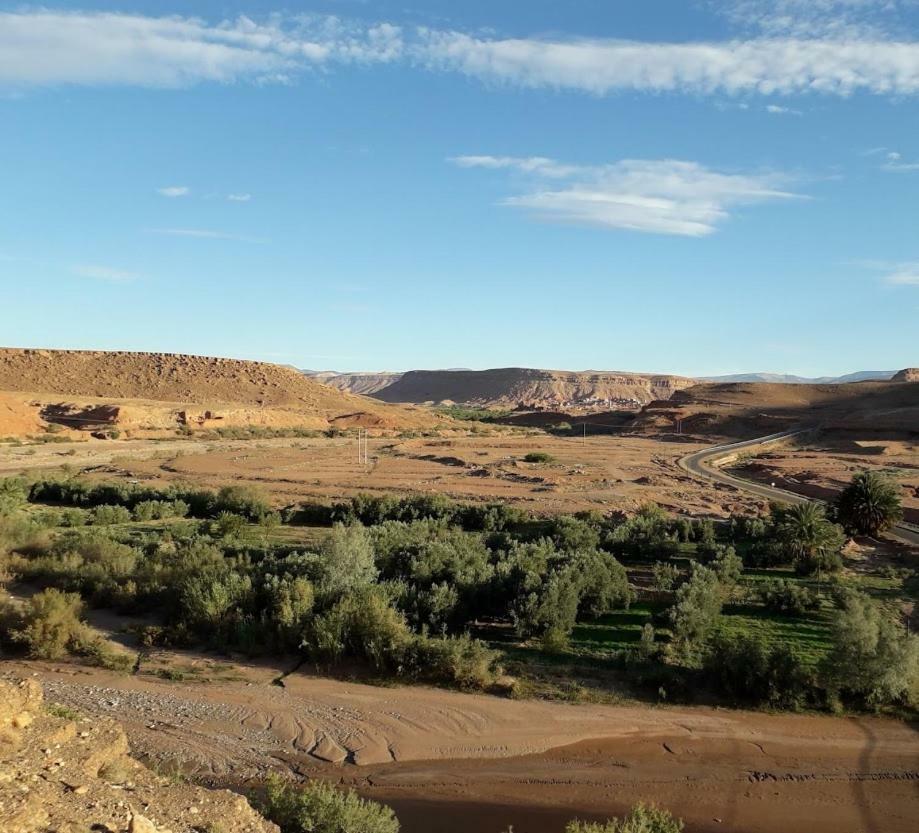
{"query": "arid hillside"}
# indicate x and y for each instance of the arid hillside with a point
(748, 409)
(521, 387)
(156, 391)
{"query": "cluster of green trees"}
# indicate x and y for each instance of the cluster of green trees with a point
(198, 503)
(400, 584)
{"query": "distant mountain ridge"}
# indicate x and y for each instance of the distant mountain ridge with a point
(789, 379)
(511, 387)
(533, 388)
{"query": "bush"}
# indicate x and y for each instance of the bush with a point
(644, 818)
(361, 624)
(106, 515)
(456, 660)
(318, 807)
(751, 671)
(665, 576)
(538, 457)
(51, 626)
(788, 597)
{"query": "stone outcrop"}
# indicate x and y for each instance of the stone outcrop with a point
(62, 773)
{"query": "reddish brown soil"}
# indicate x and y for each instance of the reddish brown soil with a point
(458, 764)
(821, 469)
(600, 473)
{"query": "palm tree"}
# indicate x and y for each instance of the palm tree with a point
(869, 504)
(811, 538)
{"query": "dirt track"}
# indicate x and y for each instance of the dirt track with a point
(456, 758)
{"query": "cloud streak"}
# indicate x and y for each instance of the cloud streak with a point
(104, 273)
(666, 196)
(42, 48)
(174, 191)
(205, 234)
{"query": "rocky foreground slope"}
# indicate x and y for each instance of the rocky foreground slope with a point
(90, 389)
(61, 773)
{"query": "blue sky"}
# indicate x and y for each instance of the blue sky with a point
(693, 187)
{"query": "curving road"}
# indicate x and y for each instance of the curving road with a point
(700, 464)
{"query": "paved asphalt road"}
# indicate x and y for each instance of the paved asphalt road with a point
(699, 464)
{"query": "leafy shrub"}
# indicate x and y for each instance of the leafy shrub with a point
(51, 626)
(665, 576)
(456, 660)
(751, 671)
(538, 457)
(644, 818)
(361, 624)
(788, 597)
(106, 515)
(318, 807)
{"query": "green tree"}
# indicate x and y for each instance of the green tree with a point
(811, 539)
(695, 611)
(347, 560)
(869, 504)
(873, 659)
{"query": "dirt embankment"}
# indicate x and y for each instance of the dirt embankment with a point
(89, 390)
(521, 387)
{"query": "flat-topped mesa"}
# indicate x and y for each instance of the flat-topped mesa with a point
(524, 387)
(62, 772)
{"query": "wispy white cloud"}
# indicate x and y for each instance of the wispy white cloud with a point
(530, 164)
(895, 273)
(905, 274)
(666, 196)
(104, 273)
(239, 197)
(766, 66)
(894, 163)
(783, 56)
(778, 110)
(174, 191)
(205, 234)
(47, 47)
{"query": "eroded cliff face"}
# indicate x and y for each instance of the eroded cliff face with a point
(66, 774)
(532, 388)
